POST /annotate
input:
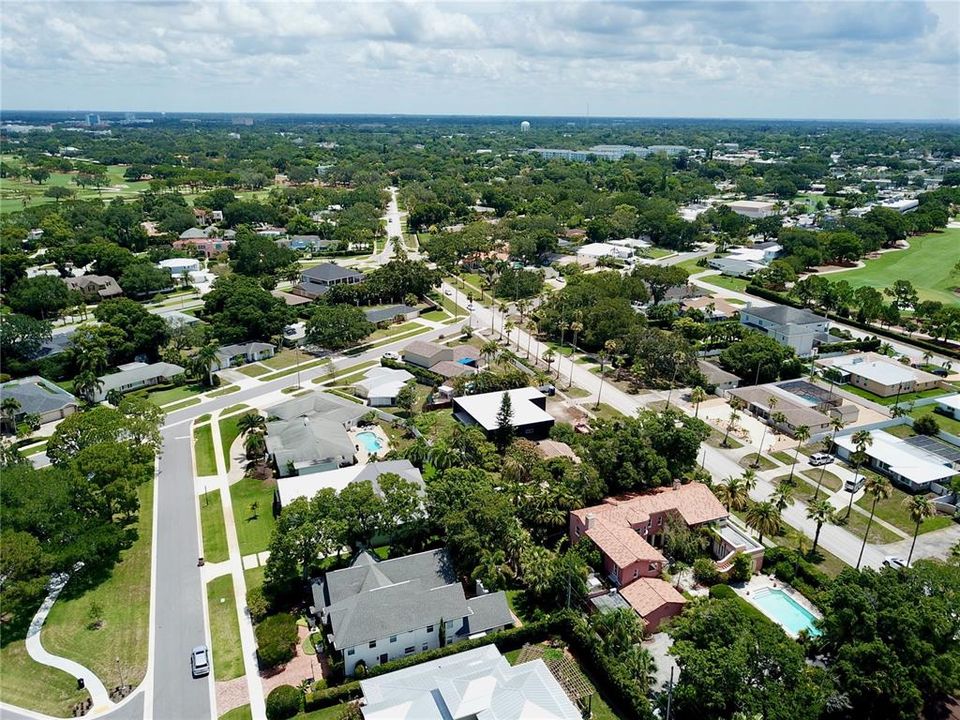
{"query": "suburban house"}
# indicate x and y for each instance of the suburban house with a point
(629, 530)
(713, 309)
(879, 374)
(800, 403)
(379, 610)
(381, 386)
(395, 313)
(912, 463)
(530, 418)
(307, 243)
(94, 288)
(654, 600)
(317, 280)
(240, 353)
(734, 267)
(949, 406)
(40, 397)
(718, 377)
(591, 253)
(308, 434)
(180, 267)
(205, 241)
(306, 486)
(444, 360)
(59, 342)
(793, 327)
(133, 376)
(478, 684)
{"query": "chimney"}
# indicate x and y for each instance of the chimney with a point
(676, 484)
(591, 521)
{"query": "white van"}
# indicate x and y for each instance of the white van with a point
(854, 485)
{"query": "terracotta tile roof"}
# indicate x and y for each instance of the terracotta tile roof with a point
(648, 594)
(616, 520)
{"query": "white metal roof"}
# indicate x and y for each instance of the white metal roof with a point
(911, 463)
(951, 401)
(485, 407)
(884, 373)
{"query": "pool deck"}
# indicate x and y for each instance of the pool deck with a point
(362, 455)
(768, 582)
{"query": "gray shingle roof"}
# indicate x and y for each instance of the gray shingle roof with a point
(36, 395)
(328, 272)
(388, 313)
(310, 439)
(225, 352)
(139, 374)
(487, 612)
(330, 406)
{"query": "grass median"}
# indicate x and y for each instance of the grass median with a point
(206, 462)
(252, 502)
(213, 527)
(224, 629)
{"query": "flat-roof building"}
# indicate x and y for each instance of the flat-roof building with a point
(911, 467)
(879, 374)
(753, 208)
(530, 418)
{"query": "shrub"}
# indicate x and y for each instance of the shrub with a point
(705, 571)
(257, 604)
(784, 571)
(926, 425)
(331, 696)
(360, 670)
(283, 702)
(742, 568)
(722, 592)
(276, 639)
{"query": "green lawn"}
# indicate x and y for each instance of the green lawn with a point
(233, 409)
(900, 431)
(947, 424)
(254, 527)
(894, 510)
(285, 359)
(328, 713)
(750, 459)
(927, 264)
(229, 431)
(253, 577)
(857, 524)
(435, 315)
(830, 481)
(604, 412)
(224, 629)
(124, 599)
(252, 371)
(904, 399)
(203, 450)
(213, 527)
(182, 405)
(163, 395)
(226, 390)
(716, 439)
(240, 713)
(30, 685)
(394, 330)
(728, 283)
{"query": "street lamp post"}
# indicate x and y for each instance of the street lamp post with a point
(120, 673)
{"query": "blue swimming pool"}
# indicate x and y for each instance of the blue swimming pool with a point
(370, 441)
(785, 611)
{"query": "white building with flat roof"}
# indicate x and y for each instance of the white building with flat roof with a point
(753, 208)
(879, 374)
(907, 465)
(529, 418)
(592, 252)
(949, 406)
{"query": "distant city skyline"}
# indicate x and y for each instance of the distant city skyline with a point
(760, 60)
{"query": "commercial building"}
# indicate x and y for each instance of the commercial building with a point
(134, 376)
(753, 208)
(912, 468)
(529, 417)
(607, 152)
(381, 385)
(376, 611)
(306, 486)
(478, 684)
(94, 288)
(318, 280)
(40, 397)
(796, 328)
(629, 530)
(878, 374)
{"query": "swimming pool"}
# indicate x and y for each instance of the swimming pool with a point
(370, 441)
(784, 610)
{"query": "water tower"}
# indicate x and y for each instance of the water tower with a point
(525, 126)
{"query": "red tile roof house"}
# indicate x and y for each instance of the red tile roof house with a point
(629, 529)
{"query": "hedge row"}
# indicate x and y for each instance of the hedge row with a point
(725, 592)
(788, 566)
(934, 347)
(331, 696)
(423, 376)
(866, 345)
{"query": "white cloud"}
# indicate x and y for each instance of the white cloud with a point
(770, 59)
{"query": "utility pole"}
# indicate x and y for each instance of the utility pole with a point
(669, 695)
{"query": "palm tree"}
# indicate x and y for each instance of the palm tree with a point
(801, 434)
(920, 509)
(502, 309)
(697, 396)
(732, 493)
(736, 405)
(493, 570)
(510, 325)
(772, 403)
(782, 495)
(879, 487)
(764, 517)
(837, 424)
(86, 385)
(548, 357)
(610, 348)
(749, 479)
(251, 422)
(576, 326)
(532, 329)
(9, 408)
(489, 350)
(204, 359)
(861, 440)
(820, 511)
(255, 445)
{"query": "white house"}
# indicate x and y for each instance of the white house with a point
(180, 266)
(376, 611)
(753, 208)
(529, 416)
(134, 376)
(907, 465)
(592, 252)
(793, 327)
(472, 685)
(949, 406)
(381, 386)
(306, 486)
(240, 353)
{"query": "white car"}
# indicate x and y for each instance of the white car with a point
(200, 661)
(391, 355)
(469, 306)
(447, 291)
(894, 562)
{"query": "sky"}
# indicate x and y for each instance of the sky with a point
(777, 59)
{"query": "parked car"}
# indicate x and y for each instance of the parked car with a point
(391, 355)
(895, 562)
(821, 458)
(200, 661)
(853, 486)
(940, 372)
(469, 306)
(548, 389)
(448, 291)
